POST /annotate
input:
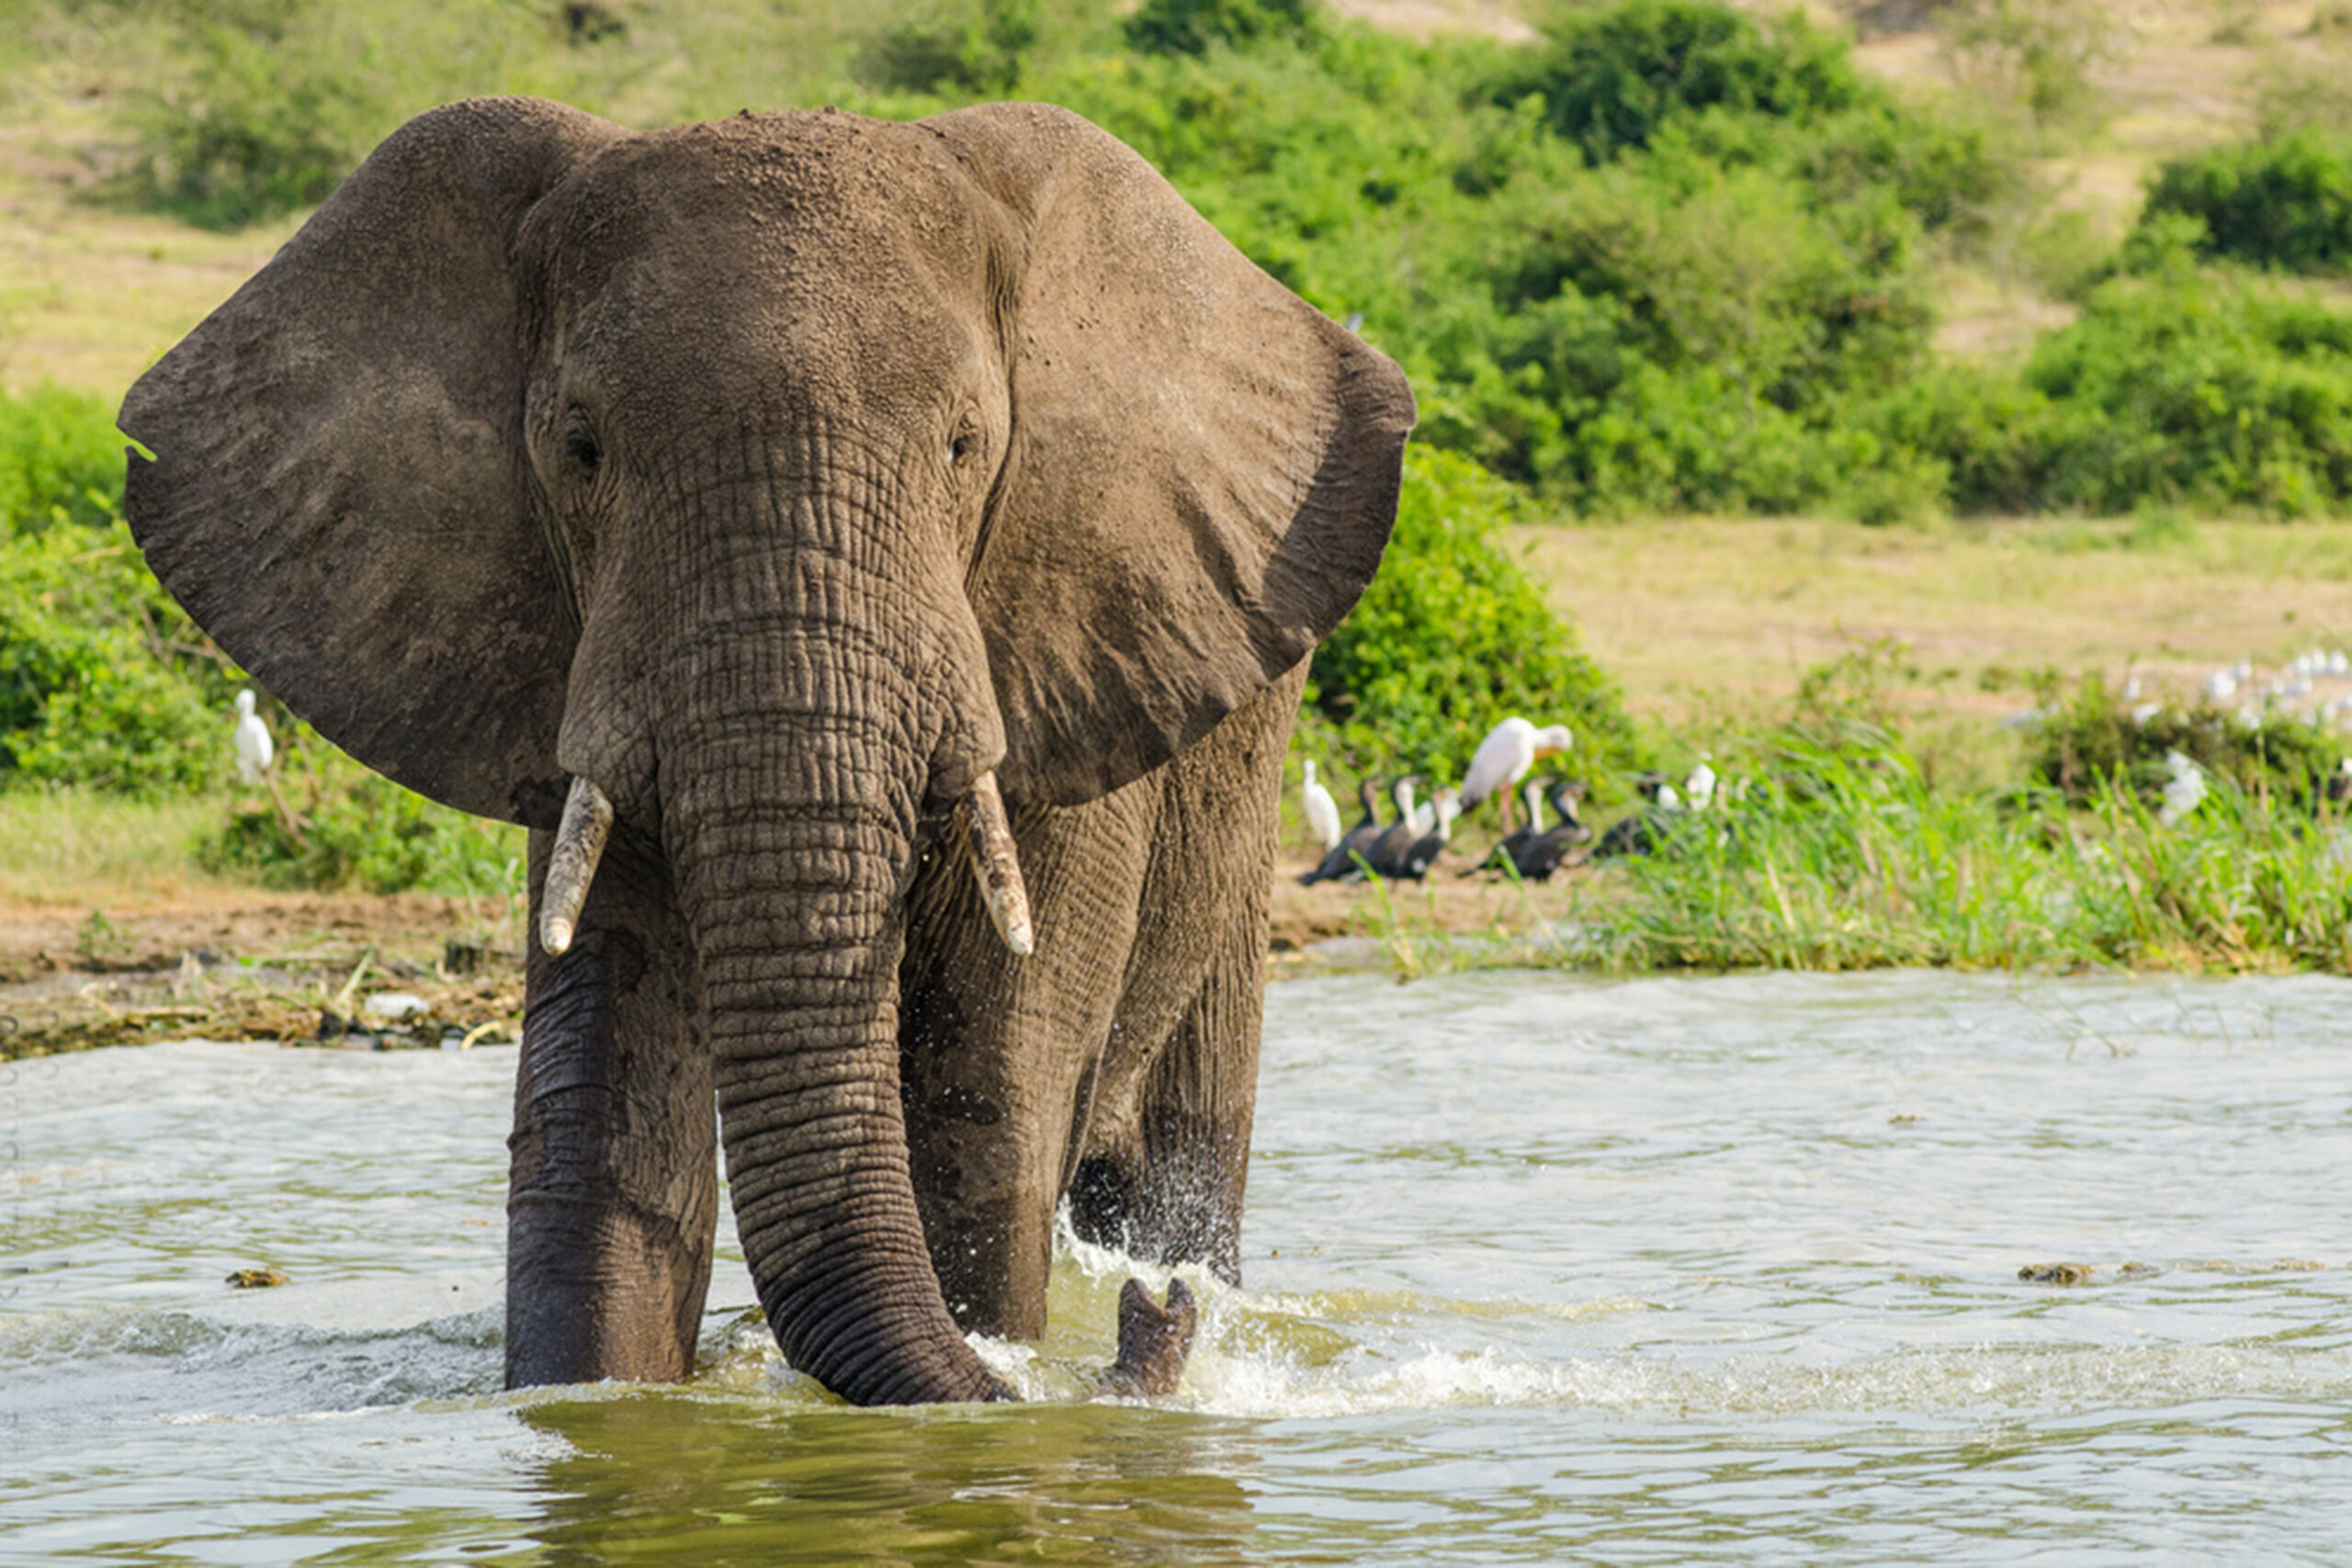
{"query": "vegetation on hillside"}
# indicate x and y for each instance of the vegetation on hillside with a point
(1668, 257)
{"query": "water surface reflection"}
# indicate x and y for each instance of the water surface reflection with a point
(1539, 1270)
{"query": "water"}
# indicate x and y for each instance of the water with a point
(1540, 1269)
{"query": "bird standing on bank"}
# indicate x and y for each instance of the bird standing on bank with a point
(256, 751)
(1503, 758)
(1396, 840)
(1648, 827)
(1445, 807)
(1322, 811)
(1699, 787)
(1357, 841)
(2184, 791)
(1519, 837)
(1544, 853)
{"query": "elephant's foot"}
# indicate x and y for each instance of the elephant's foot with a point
(1153, 1340)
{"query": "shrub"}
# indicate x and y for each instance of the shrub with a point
(1451, 636)
(2196, 386)
(60, 460)
(279, 99)
(252, 134)
(2091, 741)
(1192, 26)
(2285, 203)
(982, 53)
(2038, 52)
(1610, 76)
(103, 680)
(356, 828)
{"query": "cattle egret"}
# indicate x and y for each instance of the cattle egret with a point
(1699, 788)
(1505, 755)
(1322, 811)
(254, 750)
(2186, 790)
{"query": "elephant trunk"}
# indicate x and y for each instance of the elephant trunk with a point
(791, 836)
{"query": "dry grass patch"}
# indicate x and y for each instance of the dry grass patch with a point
(1698, 616)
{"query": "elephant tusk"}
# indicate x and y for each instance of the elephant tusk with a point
(579, 842)
(997, 864)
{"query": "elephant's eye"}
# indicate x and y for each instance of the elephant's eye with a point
(966, 447)
(581, 451)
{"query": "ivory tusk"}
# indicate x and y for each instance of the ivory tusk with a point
(579, 842)
(997, 864)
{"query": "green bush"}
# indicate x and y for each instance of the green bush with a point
(2196, 386)
(256, 131)
(981, 52)
(2284, 203)
(1451, 636)
(1612, 75)
(60, 460)
(2091, 741)
(103, 680)
(1192, 26)
(354, 828)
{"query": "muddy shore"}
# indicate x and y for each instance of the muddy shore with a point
(409, 970)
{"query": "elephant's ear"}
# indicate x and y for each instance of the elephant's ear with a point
(339, 493)
(1204, 467)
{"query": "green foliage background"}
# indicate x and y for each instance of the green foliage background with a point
(1672, 257)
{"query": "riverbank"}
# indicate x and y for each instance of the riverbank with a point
(234, 964)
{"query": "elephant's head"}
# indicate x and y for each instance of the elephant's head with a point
(774, 484)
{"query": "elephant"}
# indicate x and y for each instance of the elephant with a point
(878, 562)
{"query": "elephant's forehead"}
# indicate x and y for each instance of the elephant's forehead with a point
(830, 191)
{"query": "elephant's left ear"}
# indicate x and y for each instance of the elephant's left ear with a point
(1203, 472)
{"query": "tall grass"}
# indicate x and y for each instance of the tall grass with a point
(76, 846)
(1846, 860)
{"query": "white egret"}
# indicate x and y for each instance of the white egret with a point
(1503, 758)
(1699, 787)
(1322, 811)
(256, 751)
(2186, 790)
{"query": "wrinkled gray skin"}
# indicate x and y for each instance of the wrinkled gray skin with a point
(781, 476)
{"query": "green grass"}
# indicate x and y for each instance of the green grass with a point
(75, 847)
(1884, 874)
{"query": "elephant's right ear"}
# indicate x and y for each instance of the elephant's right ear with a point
(339, 493)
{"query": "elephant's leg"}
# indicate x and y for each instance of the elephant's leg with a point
(1175, 1188)
(996, 1052)
(613, 1190)
(1168, 1155)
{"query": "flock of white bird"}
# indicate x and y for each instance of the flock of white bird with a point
(1409, 843)
(2315, 685)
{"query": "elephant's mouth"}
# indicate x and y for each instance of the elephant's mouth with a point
(588, 823)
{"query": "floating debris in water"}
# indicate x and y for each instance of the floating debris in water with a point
(2056, 1273)
(256, 1279)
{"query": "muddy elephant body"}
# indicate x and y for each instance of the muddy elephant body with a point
(785, 505)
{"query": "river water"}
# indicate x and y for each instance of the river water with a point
(1540, 1269)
